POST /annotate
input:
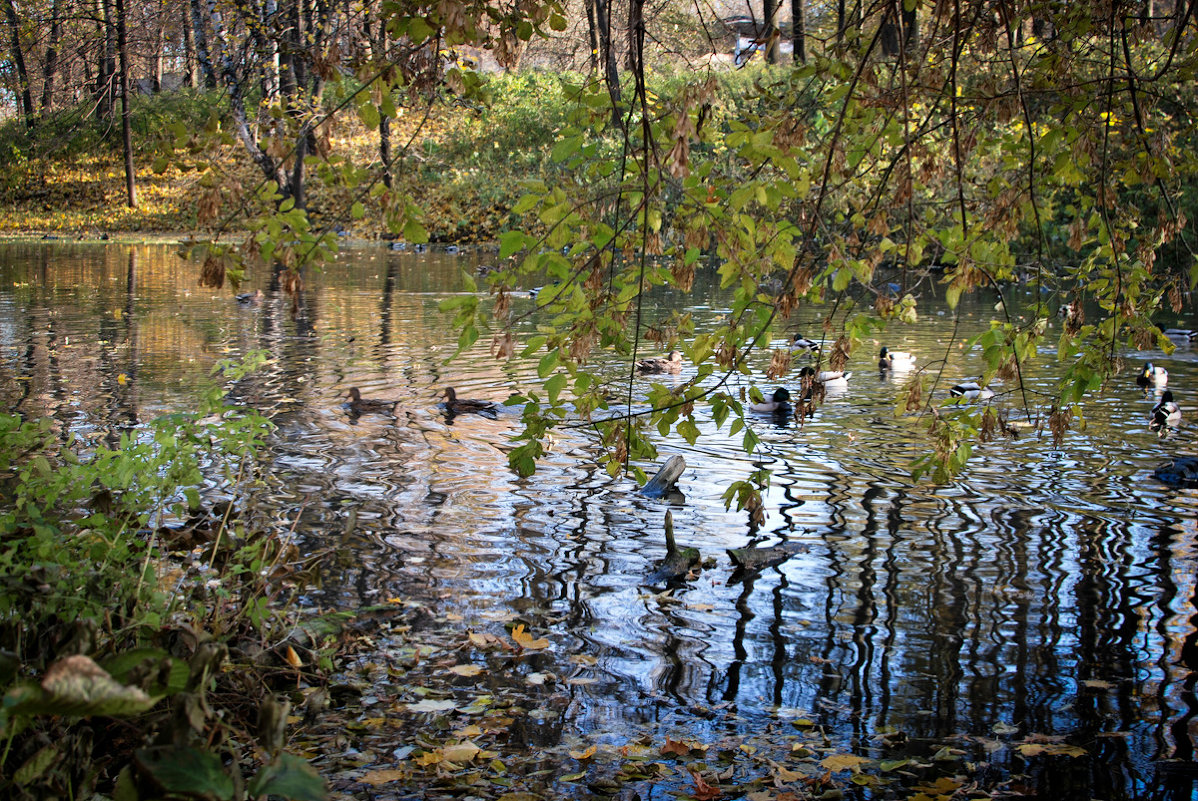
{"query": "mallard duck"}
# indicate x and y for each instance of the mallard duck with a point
(456, 405)
(829, 378)
(971, 390)
(1181, 335)
(672, 363)
(249, 298)
(779, 402)
(1152, 377)
(1165, 413)
(359, 405)
(895, 360)
(801, 344)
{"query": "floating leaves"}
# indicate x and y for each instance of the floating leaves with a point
(526, 641)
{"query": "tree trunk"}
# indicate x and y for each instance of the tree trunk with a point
(26, 96)
(771, 30)
(798, 30)
(126, 127)
(50, 68)
(608, 56)
(378, 54)
(106, 74)
(191, 71)
(203, 54)
(592, 37)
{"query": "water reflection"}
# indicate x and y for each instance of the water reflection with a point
(1049, 591)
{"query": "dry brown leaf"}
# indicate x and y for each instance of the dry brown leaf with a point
(466, 670)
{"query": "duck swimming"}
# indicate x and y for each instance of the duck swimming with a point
(895, 360)
(1152, 377)
(1181, 336)
(779, 402)
(971, 390)
(456, 405)
(801, 344)
(828, 378)
(1165, 413)
(359, 405)
(672, 363)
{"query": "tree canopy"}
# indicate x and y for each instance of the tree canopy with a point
(909, 151)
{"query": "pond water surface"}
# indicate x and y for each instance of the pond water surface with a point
(1048, 590)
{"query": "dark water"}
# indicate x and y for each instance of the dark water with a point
(1049, 589)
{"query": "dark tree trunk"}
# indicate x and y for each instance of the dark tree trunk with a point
(18, 57)
(50, 68)
(126, 128)
(191, 71)
(898, 30)
(798, 30)
(106, 74)
(771, 30)
(592, 36)
(607, 53)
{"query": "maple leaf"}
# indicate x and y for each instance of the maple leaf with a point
(675, 747)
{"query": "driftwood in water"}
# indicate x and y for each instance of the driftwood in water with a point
(678, 561)
(760, 558)
(666, 477)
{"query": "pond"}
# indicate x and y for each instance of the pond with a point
(1047, 591)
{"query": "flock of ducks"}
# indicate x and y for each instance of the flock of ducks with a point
(452, 404)
(1166, 413)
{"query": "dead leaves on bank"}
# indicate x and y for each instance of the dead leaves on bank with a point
(442, 711)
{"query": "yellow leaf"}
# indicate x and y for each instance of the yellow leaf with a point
(466, 670)
(461, 752)
(427, 758)
(380, 777)
(581, 755)
(1051, 749)
(122, 379)
(293, 658)
(527, 641)
(838, 762)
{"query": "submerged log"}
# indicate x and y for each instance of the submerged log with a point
(1181, 472)
(678, 561)
(666, 477)
(760, 558)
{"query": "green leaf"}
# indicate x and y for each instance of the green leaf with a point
(289, 777)
(555, 385)
(186, 771)
(510, 242)
(548, 362)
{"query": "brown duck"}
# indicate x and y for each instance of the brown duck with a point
(672, 363)
(456, 405)
(359, 405)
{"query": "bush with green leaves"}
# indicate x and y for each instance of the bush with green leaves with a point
(90, 632)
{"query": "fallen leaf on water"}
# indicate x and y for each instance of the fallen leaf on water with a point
(675, 747)
(430, 705)
(1051, 749)
(581, 681)
(460, 752)
(122, 379)
(466, 670)
(838, 762)
(381, 777)
(581, 755)
(527, 641)
(1097, 684)
(484, 640)
(704, 791)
